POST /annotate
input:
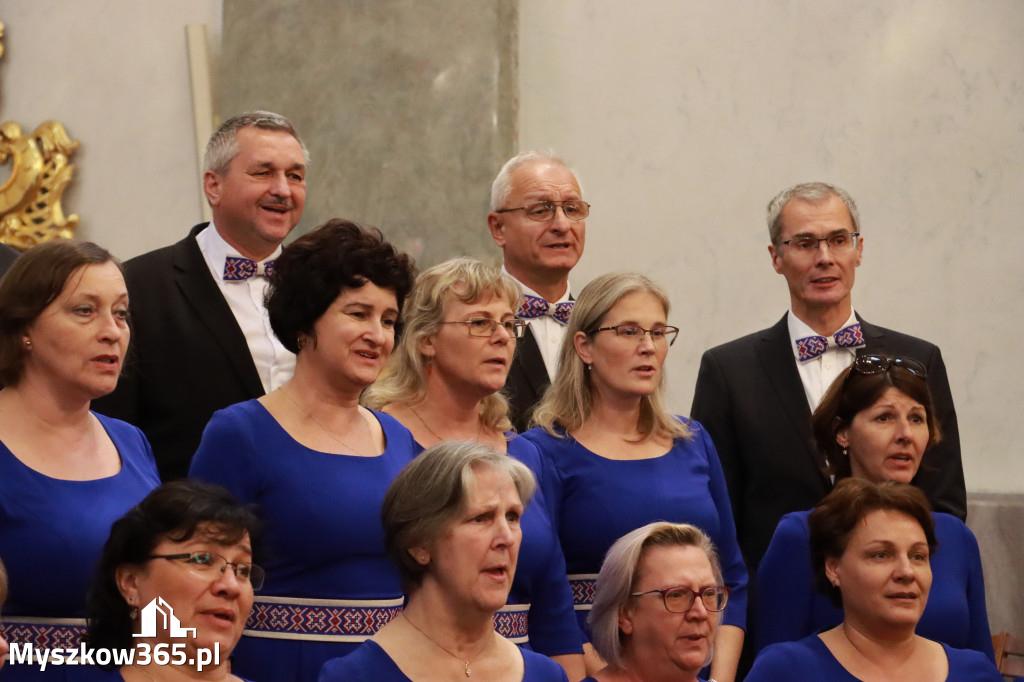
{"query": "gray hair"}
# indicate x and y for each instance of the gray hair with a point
(432, 491)
(621, 570)
(223, 144)
(502, 185)
(812, 192)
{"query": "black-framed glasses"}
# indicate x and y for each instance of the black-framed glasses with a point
(838, 242)
(680, 599)
(486, 326)
(637, 333)
(543, 211)
(211, 565)
(876, 364)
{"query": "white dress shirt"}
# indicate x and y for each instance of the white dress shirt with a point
(274, 362)
(818, 373)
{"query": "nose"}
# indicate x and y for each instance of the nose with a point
(905, 570)
(501, 335)
(646, 344)
(903, 430)
(279, 185)
(113, 327)
(697, 610)
(376, 332)
(505, 533)
(824, 253)
(227, 583)
(559, 221)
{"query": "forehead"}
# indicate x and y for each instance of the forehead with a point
(894, 396)
(208, 535)
(537, 179)
(800, 216)
(637, 304)
(667, 566)
(485, 483)
(887, 525)
(94, 276)
(368, 294)
(489, 301)
(259, 145)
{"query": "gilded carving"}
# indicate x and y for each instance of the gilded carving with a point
(30, 209)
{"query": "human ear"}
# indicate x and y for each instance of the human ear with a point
(581, 342)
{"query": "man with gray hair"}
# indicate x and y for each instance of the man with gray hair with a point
(755, 395)
(201, 338)
(538, 219)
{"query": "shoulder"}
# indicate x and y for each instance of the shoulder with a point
(968, 665)
(742, 346)
(897, 341)
(119, 430)
(367, 662)
(538, 668)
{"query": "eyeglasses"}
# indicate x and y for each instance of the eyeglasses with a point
(210, 565)
(633, 331)
(680, 599)
(543, 211)
(486, 326)
(876, 364)
(838, 242)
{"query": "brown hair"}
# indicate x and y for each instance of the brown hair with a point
(833, 521)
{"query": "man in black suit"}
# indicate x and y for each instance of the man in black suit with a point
(201, 339)
(538, 219)
(7, 256)
(755, 395)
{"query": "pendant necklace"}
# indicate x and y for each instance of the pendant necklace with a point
(326, 430)
(479, 427)
(465, 663)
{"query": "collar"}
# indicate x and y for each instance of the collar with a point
(567, 296)
(216, 250)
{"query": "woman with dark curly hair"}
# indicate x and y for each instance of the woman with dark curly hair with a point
(317, 462)
(174, 550)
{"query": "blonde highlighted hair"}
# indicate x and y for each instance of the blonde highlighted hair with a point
(569, 400)
(404, 379)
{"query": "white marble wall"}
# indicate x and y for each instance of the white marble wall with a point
(684, 118)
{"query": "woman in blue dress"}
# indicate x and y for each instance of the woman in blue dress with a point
(875, 422)
(871, 547)
(66, 473)
(316, 461)
(186, 550)
(443, 383)
(658, 604)
(616, 459)
(452, 527)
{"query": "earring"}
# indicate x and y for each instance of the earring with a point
(134, 613)
(846, 452)
(590, 367)
(28, 343)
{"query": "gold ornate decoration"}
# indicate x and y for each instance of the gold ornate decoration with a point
(30, 210)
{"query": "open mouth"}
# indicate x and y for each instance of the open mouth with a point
(111, 360)
(279, 209)
(497, 572)
(368, 354)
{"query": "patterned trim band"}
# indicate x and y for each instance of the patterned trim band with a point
(43, 633)
(582, 586)
(511, 623)
(322, 620)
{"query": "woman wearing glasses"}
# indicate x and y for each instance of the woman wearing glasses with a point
(617, 458)
(873, 548)
(187, 548)
(317, 462)
(876, 422)
(443, 383)
(658, 605)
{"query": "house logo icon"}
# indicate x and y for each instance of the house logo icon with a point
(170, 622)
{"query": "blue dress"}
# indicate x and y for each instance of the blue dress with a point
(323, 534)
(810, 659)
(371, 663)
(595, 500)
(789, 607)
(52, 531)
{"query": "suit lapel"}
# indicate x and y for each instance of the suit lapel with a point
(532, 363)
(875, 340)
(193, 279)
(776, 357)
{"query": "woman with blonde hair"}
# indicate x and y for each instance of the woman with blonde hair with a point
(618, 459)
(443, 382)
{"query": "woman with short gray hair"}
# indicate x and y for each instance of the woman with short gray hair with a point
(451, 525)
(658, 604)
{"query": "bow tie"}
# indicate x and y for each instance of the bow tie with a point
(237, 269)
(811, 347)
(533, 306)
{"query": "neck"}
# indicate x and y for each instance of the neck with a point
(551, 286)
(620, 417)
(464, 632)
(42, 405)
(894, 646)
(637, 668)
(255, 251)
(310, 388)
(450, 411)
(826, 320)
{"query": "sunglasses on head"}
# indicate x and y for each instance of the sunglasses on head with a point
(876, 364)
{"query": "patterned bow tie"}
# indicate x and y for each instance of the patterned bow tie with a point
(533, 306)
(238, 269)
(811, 347)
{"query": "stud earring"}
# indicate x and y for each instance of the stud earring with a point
(28, 343)
(846, 452)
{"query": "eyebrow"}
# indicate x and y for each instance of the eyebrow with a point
(811, 235)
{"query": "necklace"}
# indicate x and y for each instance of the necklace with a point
(479, 426)
(465, 663)
(326, 430)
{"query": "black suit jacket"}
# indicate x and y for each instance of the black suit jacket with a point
(527, 380)
(750, 398)
(188, 356)
(7, 257)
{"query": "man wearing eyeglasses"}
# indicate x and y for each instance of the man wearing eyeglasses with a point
(755, 395)
(538, 219)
